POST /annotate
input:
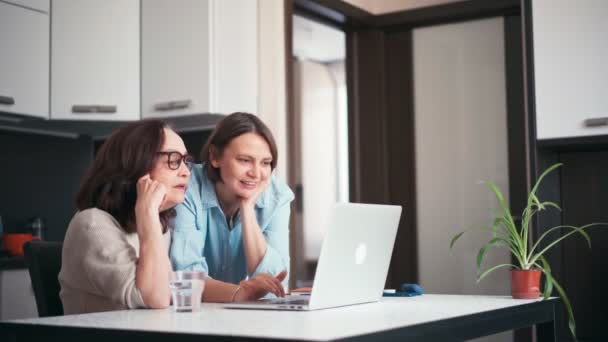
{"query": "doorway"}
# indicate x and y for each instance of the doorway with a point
(320, 130)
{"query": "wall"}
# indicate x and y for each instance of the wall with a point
(272, 105)
(461, 139)
(318, 103)
(338, 72)
(317, 42)
(40, 177)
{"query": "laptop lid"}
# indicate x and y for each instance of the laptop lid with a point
(355, 255)
(354, 259)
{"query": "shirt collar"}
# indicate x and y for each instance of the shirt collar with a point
(209, 196)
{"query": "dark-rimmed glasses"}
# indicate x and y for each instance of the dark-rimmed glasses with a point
(175, 159)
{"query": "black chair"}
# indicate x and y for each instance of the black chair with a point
(43, 259)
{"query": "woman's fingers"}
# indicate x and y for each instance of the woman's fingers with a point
(273, 284)
(281, 276)
(158, 192)
(143, 179)
(143, 183)
(265, 283)
(150, 193)
(278, 282)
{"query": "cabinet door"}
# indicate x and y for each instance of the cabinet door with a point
(234, 76)
(583, 270)
(24, 61)
(95, 60)
(16, 295)
(570, 70)
(175, 57)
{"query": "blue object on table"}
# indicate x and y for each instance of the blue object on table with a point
(406, 290)
(412, 289)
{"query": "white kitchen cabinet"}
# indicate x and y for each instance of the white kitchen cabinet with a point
(16, 295)
(24, 61)
(95, 60)
(234, 47)
(570, 70)
(175, 57)
(199, 56)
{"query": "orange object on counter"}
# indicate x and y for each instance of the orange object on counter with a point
(13, 243)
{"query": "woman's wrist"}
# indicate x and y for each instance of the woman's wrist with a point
(246, 205)
(148, 225)
(247, 212)
(235, 293)
(145, 212)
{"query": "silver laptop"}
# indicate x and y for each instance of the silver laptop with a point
(354, 260)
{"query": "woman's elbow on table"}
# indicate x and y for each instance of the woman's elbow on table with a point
(156, 300)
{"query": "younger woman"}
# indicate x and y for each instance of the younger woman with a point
(234, 222)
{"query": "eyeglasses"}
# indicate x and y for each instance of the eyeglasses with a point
(175, 159)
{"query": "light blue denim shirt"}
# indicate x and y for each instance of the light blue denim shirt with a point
(202, 240)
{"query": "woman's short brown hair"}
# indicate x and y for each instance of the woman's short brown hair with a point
(229, 128)
(110, 184)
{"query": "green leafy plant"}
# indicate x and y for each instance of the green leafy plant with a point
(506, 233)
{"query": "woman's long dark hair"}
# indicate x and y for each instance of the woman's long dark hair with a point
(111, 181)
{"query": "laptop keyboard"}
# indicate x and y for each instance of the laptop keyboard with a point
(291, 301)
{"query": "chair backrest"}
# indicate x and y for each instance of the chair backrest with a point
(43, 259)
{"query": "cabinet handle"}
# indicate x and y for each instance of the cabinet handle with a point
(595, 122)
(170, 105)
(7, 100)
(84, 109)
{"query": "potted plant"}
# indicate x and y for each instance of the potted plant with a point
(530, 262)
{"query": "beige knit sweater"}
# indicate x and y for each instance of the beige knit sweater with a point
(98, 265)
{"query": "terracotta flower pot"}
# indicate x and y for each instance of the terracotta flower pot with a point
(525, 284)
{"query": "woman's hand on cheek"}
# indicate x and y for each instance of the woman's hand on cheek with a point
(150, 196)
(250, 201)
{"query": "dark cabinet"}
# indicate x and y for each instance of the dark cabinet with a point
(584, 271)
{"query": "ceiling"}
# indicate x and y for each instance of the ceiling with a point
(387, 6)
(317, 42)
(321, 43)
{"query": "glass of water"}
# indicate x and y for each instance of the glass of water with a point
(187, 290)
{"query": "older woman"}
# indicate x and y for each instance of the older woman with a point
(115, 252)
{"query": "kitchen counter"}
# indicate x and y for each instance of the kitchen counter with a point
(421, 318)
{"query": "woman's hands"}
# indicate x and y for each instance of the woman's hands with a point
(259, 286)
(153, 266)
(254, 242)
(150, 196)
(249, 202)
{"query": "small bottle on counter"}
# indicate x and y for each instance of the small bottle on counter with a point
(37, 226)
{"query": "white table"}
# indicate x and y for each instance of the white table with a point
(425, 318)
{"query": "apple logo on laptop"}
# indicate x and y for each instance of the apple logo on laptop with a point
(360, 253)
